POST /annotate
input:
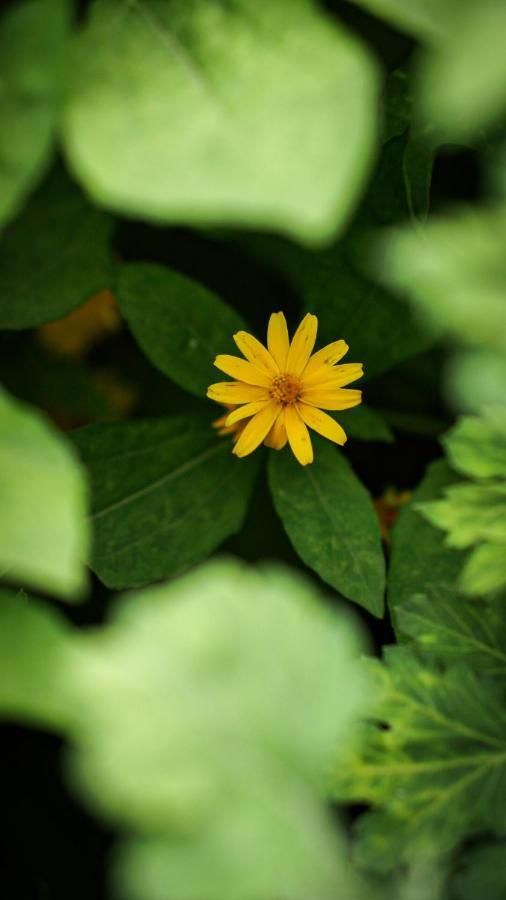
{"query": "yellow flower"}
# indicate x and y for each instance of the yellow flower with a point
(283, 389)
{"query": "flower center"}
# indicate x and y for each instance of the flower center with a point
(285, 389)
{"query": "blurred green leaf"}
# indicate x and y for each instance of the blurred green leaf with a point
(165, 494)
(422, 18)
(33, 43)
(477, 379)
(454, 271)
(179, 324)
(420, 560)
(43, 528)
(330, 520)
(484, 572)
(483, 873)
(189, 734)
(54, 257)
(222, 114)
(476, 446)
(453, 628)
(34, 641)
(434, 770)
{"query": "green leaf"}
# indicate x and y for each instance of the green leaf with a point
(421, 18)
(476, 446)
(420, 561)
(54, 257)
(454, 271)
(179, 324)
(476, 379)
(470, 513)
(197, 119)
(330, 520)
(34, 642)
(43, 528)
(33, 39)
(436, 773)
(454, 628)
(484, 571)
(482, 874)
(189, 734)
(165, 494)
(365, 424)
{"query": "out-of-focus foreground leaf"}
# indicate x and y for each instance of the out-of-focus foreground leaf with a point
(189, 735)
(54, 257)
(164, 494)
(329, 517)
(180, 325)
(43, 499)
(33, 43)
(235, 113)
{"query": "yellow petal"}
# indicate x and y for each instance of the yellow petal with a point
(256, 430)
(244, 412)
(327, 356)
(298, 436)
(277, 437)
(328, 377)
(236, 392)
(337, 399)
(242, 370)
(277, 339)
(322, 423)
(302, 345)
(255, 352)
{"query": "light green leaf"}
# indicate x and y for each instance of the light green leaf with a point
(420, 561)
(477, 379)
(330, 520)
(485, 570)
(454, 271)
(436, 774)
(470, 513)
(456, 629)
(54, 257)
(189, 734)
(165, 494)
(43, 528)
(421, 18)
(476, 445)
(197, 119)
(482, 873)
(34, 642)
(33, 39)
(179, 324)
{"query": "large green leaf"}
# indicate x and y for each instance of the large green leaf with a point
(434, 768)
(33, 38)
(165, 494)
(422, 18)
(43, 528)
(205, 112)
(54, 257)
(189, 735)
(330, 520)
(453, 628)
(420, 561)
(454, 271)
(34, 642)
(482, 873)
(180, 325)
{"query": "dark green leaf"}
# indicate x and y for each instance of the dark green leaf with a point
(365, 424)
(33, 38)
(54, 257)
(179, 324)
(165, 494)
(43, 528)
(329, 517)
(483, 873)
(242, 113)
(420, 561)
